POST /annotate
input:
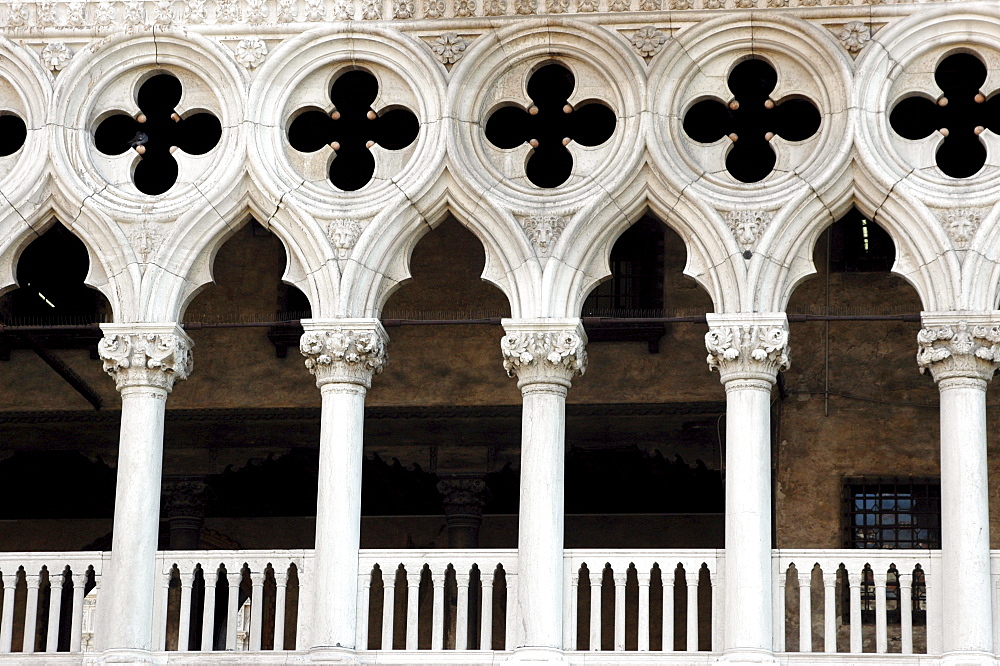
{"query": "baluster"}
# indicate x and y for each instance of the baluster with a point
(388, 608)
(184, 621)
(667, 577)
(208, 619)
(643, 577)
(233, 578)
(620, 579)
(412, 599)
(854, 578)
(691, 577)
(30, 613)
(881, 633)
(779, 611)
(512, 612)
(935, 619)
(280, 601)
(829, 612)
(76, 633)
(486, 633)
(906, 611)
(805, 611)
(570, 605)
(256, 610)
(160, 601)
(55, 607)
(596, 583)
(437, 619)
(363, 609)
(715, 636)
(7, 614)
(462, 616)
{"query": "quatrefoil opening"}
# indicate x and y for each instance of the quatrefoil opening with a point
(549, 125)
(13, 133)
(156, 132)
(961, 114)
(352, 128)
(751, 120)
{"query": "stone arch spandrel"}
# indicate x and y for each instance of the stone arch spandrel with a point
(380, 262)
(494, 73)
(796, 230)
(695, 66)
(299, 74)
(210, 82)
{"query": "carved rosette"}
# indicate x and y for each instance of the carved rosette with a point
(146, 358)
(553, 356)
(962, 350)
(344, 355)
(747, 351)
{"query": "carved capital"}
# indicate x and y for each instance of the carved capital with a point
(463, 495)
(154, 355)
(749, 347)
(348, 351)
(959, 345)
(185, 497)
(544, 350)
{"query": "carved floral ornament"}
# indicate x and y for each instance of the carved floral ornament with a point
(343, 355)
(751, 348)
(146, 359)
(854, 36)
(251, 52)
(561, 352)
(960, 350)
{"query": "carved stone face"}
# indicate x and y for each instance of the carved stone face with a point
(544, 233)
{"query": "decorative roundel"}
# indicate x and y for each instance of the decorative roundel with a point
(351, 129)
(956, 117)
(156, 133)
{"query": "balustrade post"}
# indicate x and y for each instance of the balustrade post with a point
(596, 584)
(208, 618)
(962, 353)
(55, 608)
(620, 580)
(388, 608)
(364, 606)
(667, 637)
(30, 613)
(881, 626)
(343, 355)
(692, 608)
(805, 611)
(643, 643)
(234, 578)
(486, 633)
(412, 608)
(779, 611)
(145, 360)
(184, 621)
(76, 622)
(256, 610)
(280, 601)
(829, 612)
(544, 355)
(570, 604)
(854, 578)
(437, 615)
(462, 614)
(905, 582)
(7, 614)
(748, 350)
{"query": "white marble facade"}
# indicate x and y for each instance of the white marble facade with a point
(256, 64)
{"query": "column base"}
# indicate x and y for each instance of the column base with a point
(970, 658)
(538, 655)
(120, 656)
(333, 655)
(748, 657)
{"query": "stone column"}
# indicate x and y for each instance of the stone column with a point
(748, 350)
(184, 500)
(463, 496)
(544, 355)
(145, 361)
(962, 351)
(343, 354)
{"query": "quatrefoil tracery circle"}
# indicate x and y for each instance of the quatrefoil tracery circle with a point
(156, 132)
(352, 128)
(751, 119)
(13, 133)
(550, 124)
(960, 115)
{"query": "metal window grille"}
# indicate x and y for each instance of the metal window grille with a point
(893, 513)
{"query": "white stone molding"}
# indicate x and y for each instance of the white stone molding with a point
(747, 346)
(347, 351)
(544, 350)
(959, 345)
(156, 355)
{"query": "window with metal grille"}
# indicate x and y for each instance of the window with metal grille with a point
(893, 513)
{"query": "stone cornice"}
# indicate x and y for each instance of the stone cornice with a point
(72, 20)
(956, 345)
(155, 355)
(547, 350)
(344, 351)
(752, 346)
